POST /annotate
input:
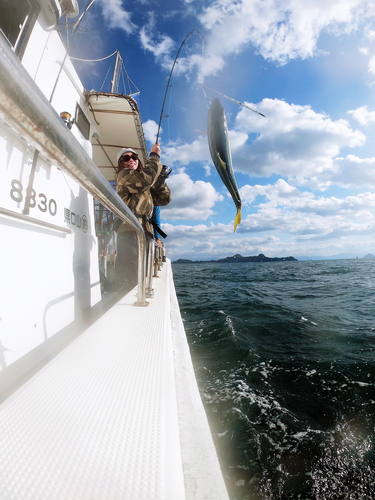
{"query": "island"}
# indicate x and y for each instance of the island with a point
(238, 258)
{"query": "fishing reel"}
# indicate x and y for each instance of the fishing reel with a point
(164, 174)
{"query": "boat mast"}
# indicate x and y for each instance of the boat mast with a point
(116, 73)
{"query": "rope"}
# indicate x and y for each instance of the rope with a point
(93, 60)
(105, 79)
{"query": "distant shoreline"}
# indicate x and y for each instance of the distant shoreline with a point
(238, 258)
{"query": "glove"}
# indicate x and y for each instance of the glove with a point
(164, 174)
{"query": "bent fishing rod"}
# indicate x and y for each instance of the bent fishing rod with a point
(193, 32)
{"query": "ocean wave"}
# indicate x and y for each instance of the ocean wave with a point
(284, 360)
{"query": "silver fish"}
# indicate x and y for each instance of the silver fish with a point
(218, 142)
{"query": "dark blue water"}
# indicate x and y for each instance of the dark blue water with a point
(284, 357)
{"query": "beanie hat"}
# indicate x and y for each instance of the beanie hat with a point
(125, 150)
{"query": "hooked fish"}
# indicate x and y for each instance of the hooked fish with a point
(218, 142)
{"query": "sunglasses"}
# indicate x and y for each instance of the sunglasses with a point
(127, 158)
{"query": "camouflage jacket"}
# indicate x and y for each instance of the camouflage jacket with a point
(137, 189)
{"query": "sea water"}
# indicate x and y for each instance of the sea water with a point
(284, 358)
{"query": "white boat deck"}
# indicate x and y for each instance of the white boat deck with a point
(116, 415)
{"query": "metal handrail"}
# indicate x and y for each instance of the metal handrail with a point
(158, 262)
(28, 111)
(150, 264)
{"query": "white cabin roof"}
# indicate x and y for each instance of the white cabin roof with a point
(119, 122)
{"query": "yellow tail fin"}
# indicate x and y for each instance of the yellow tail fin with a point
(237, 220)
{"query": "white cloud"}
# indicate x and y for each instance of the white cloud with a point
(281, 194)
(276, 193)
(287, 222)
(190, 200)
(321, 219)
(280, 30)
(362, 115)
(207, 169)
(185, 153)
(150, 129)
(370, 33)
(116, 16)
(364, 50)
(293, 141)
(371, 65)
(353, 172)
(275, 232)
(159, 46)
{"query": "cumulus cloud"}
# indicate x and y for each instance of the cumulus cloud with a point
(362, 115)
(190, 200)
(185, 153)
(150, 129)
(159, 46)
(116, 16)
(280, 31)
(353, 172)
(294, 141)
(371, 65)
(281, 194)
(196, 241)
(307, 220)
(276, 193)
(274, 232)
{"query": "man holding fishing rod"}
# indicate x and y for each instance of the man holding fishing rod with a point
(140, 187)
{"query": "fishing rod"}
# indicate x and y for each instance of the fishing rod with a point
(234, 100)
(193, 32)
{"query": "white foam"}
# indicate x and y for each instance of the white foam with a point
(361, 384)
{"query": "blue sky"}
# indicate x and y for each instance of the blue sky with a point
(306, 172)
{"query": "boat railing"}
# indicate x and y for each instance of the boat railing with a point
(158, 259)
(28, 111)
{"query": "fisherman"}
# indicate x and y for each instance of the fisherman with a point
(140, 187)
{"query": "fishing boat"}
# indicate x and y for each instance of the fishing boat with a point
(98, 398)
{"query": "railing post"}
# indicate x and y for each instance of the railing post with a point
(150, 264)
(156, 261)
(141, 298)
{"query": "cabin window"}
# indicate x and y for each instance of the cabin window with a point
(82, 122)
(17, 19)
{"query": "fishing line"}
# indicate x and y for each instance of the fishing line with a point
(231, 99)
(205, 95)
(169, 111)
(193, 32)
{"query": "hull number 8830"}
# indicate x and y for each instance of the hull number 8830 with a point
(32, 199)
